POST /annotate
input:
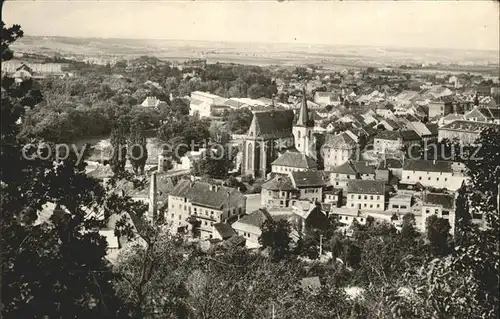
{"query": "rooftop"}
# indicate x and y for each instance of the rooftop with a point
(295, 159)
(272, 124)
(205, 194)
(279, 183)
(308, 179)
(445, 200)
(359, 186)
(428, 166)
(339, 141)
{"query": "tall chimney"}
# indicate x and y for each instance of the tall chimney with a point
(153, 201)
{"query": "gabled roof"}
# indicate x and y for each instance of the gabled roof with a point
(345, 168)
(272, 124)
(409, 135)
(363, 167)
(467, 126)
(445, 200)
(205, 194)
(388, 135)
(256, 219)
(304, 112)
(308, 179)
(224, 230)
(359, 186)
(295, 159)
(428, 166)
(279, 183)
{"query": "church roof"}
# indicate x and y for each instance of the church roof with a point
(303, 113)
(272, 124)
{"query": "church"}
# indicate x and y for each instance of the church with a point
(272, 132)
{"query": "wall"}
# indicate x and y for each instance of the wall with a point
(432, 179)
(366, 202)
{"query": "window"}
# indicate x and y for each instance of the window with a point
(408, 177)
(427, 211)
(371, 205)
(445, 179)
(366, 197)
(437, 179)
(172, 216)
(364, 205)
(359, 196)
(403, 206)
(361, 219)
(352, 196)
(378, 205)
(420, 178)
(445, 213)
(395, 206)
(371, 197)
(378, 197)
(428, 178)
(436, 211)
(352, 205)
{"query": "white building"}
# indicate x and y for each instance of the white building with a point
(201, 103)
(436, 174)
(337, 150)
(366, 195)
(441, 205)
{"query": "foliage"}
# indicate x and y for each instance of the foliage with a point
(138, 152)
(276, 237)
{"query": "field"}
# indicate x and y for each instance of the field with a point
(258, 53)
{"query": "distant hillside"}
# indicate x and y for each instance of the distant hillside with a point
(253, 53)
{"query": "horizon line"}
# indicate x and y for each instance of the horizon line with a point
(497, 50)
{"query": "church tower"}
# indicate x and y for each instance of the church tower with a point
(303, 130)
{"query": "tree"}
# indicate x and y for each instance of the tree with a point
(437, 234)
(276, 237)
(119, 149)
(463, 218)
(256, 91)
(137, 150)
(238, 121)
(52, 268)
(408, 229)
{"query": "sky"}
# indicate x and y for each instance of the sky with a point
(427, 24)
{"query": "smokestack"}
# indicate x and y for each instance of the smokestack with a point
(153, 201)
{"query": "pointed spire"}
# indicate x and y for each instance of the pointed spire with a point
(303, 112)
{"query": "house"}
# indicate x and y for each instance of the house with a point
(440, 204)
(387, 141)
(308, 215)
(436, 174)
(152, 102)
(466, 132)
(363, 169)
(483, 114)
(333, 196)
(405, 98)
(293, 161)
(450, 118)
(425, 132)
(249, 227)
(327, 98)
(201, 103)
(337, 149)
(204, 203)
(389, 125)
(400, 203)
(440, 106)
(223, 231)
(394, 165)
(341, 175)
(309, 184)
(366, 195)
(278, 192)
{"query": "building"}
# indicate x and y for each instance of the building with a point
(466, 132)
(293, 161)
(269, 133)
(341, 175)
(333, 196)
(152, 102)
(249, 227)
(204, 203)
(400, 204)
(366, 195)
(440, 204)
(309, 185)
(440, 106)
(337, 149)
(387, 141)
(436, 174)
(278, 192)
(327, 98)
(483, 114)
(201, 103)
(364, 169)
(223, 231)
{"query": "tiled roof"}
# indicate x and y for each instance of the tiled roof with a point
(468, 126)
(224, 230)
(295, 159)
(273, 124)
(345, 168)
(257, 218)
(200, 193)
(388, 135)
(445, 200)
(363, 167)
(409, 135)
(392, 163)
(427, 166)
(433, 128)
(308, 178)
(279, 183)
(490, 113)
(339, 141)
(358, 186)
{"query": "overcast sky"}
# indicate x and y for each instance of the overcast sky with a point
(441, 24)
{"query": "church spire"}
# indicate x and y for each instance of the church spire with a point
(303, 112)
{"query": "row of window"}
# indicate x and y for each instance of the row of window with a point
(366, 197)
(400, 206)
(428, 178)
(347, 218)
(366, 205)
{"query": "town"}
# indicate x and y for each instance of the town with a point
(143, 187)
